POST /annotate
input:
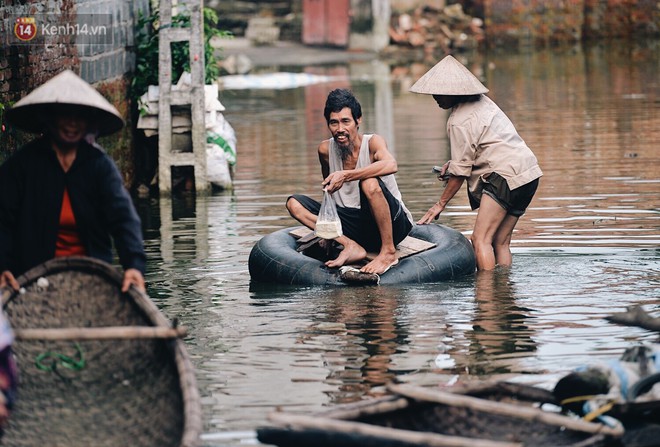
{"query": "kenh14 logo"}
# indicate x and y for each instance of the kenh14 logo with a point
(25, 28)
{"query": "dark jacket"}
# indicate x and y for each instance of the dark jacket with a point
(32, 186)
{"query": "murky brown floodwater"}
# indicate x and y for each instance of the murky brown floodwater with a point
(588, 245)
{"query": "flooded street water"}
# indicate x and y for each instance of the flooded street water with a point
(588, 245)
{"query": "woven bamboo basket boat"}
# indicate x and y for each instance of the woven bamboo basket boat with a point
(414, 416)
(97, 367)
(518, 393)
(640, 419)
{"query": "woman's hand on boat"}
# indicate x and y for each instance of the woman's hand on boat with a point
(7, 280)
(133, 277)
(432, 214)
(4, 414)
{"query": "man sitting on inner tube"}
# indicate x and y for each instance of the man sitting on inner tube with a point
(359, 170)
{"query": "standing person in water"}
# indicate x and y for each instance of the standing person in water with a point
(359, 170)
(502, 173)
(59, 194)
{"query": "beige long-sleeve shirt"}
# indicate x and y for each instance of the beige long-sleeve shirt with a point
(483, 140)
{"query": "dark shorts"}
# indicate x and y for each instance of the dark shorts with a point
(514, 202)
(359, 225)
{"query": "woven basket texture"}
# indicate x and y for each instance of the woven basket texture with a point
(468, 423)
(127, 394)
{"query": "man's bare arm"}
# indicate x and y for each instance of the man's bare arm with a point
(382, 163)
(324, 158)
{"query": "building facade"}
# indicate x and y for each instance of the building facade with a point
(94, 38)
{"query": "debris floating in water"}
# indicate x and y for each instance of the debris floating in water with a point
(276, 81)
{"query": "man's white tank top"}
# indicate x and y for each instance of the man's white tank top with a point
(349, 194)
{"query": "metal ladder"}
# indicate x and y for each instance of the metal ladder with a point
(194, 35)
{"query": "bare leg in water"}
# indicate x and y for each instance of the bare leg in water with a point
(492, 235)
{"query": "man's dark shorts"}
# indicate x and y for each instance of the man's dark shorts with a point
(359, 224)
(514, 202)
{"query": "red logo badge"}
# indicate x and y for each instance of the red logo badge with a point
(25, 28)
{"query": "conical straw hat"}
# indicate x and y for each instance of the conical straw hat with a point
(448, 77)
(65, 88)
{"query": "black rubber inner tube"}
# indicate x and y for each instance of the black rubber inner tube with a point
(643, 386)
(274, 259)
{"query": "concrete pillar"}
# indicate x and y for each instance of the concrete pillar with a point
(370, 21)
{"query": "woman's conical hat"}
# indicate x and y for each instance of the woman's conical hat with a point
(448, 77)
(64, 89)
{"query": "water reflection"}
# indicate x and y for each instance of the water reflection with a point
(367, 334)
(590, 114)
(587, 246)
(499, 333)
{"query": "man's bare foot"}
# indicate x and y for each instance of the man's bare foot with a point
(381, 263)
(351, 253)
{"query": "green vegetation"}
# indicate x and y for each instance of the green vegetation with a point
(2, 115)
(146, 67)
(5, 134)
(4, 106)
(2, 129)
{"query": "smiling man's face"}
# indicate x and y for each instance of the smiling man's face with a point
(344, 130)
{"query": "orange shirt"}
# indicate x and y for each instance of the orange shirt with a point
(68, 240)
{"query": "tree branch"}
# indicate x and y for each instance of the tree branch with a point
(635, 316)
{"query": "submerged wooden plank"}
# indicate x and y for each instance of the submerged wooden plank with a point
(299, 424)
(407, 247)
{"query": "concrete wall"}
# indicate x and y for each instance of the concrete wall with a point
(234, 15)
(101, 62)
(370, 21)
(104, 60)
